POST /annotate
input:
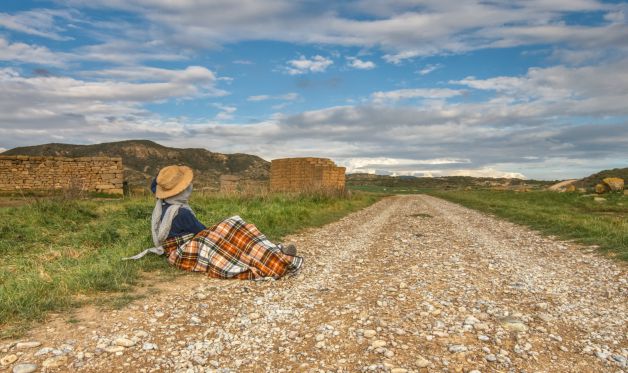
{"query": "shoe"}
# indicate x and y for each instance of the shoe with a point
(288, 250)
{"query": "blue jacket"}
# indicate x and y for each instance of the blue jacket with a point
(183, 223)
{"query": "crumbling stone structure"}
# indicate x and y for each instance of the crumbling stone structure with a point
(306, 174)
(92, 174)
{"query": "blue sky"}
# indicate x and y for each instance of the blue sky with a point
(533, 88)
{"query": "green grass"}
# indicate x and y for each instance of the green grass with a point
(59, 254)
(571, 216)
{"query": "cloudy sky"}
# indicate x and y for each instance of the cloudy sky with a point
(535, 88)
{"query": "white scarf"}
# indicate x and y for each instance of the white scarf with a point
(160, 227)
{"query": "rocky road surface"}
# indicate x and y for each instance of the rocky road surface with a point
(410, 284)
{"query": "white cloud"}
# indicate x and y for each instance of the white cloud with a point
(370, 165)
(127, 52)
(191, 74)
(259, 98)
(226, 112)
(316, 64)
(26, 53)
(429, 68)
(401, 94)
(289, 96)
(589, 90)
(357, 63)
(487, 172)
(399, 57)
(286, 97)
(58, 102)
(38, 22)
(401, 29)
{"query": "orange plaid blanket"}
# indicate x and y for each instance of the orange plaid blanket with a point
(230, 249)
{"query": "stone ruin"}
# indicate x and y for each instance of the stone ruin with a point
(90, 174)
(305, 175)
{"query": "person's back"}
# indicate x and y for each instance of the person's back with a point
(184, 222)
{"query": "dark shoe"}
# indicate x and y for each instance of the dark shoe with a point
(288, 250)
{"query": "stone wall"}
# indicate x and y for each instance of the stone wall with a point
(93, 174)
(306, 174)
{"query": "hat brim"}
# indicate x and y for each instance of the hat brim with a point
(186, 179)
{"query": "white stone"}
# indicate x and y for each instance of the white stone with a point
(370, 333)
(114, 349)
(378, 343)
(44, 351)
(141, 334)
(254, 316)
(457, 348)
(23, 345)
(124, 342)
(149, 346)
(422, 362)
(54, 362)
(9, 359)
(514, 326)
(24, 368)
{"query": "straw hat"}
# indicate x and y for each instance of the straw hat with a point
(173, 180)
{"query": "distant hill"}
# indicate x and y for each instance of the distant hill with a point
(143, 158)
(445, 182)
(590, 181)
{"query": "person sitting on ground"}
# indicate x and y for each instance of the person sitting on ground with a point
(232, 248)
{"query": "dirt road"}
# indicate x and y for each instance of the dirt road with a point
(411, 284)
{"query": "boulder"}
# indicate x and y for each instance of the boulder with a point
(601, 188)
(615, 184)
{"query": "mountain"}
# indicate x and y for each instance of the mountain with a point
(590, 181)
(143, 158)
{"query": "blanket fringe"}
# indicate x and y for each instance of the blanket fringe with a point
(155, 250)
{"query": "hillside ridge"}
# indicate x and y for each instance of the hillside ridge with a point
(143, 158)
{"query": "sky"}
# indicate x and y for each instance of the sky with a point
(531, 89)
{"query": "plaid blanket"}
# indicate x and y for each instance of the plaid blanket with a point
(230, 249)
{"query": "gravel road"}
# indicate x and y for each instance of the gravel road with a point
(410, 284)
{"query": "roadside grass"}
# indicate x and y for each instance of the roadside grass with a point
(57, 254)
(569, 216)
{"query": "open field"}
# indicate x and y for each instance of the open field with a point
(56, 254)
(565, 215)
